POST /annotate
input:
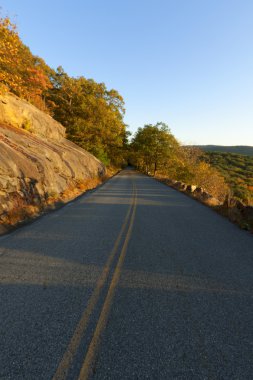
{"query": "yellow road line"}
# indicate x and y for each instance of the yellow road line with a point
(91, 353)
(67, 359)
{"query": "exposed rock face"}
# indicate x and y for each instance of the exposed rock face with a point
(21, 114)
(36, 161)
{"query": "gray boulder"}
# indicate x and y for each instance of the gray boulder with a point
(36, 161)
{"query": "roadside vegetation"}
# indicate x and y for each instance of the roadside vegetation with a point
(238, 149)
(94, 119)
(154, 150)
(237, 170)
(92, 114)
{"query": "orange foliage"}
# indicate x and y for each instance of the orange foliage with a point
(20, 71)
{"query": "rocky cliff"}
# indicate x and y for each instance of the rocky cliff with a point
(38, 166)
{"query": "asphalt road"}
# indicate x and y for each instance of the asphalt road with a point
(131, 281)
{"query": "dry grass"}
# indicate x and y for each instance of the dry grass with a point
(23, 211)
(18, 215)
(79, 187)
(238, 213)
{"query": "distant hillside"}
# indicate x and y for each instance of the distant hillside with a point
(237, 169)
(239, 149)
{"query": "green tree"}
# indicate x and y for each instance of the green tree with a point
(92, 115)
(153, 146)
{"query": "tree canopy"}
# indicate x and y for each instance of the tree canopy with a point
(92, 114)
(153, 146)
(21, 72)
(156, 151)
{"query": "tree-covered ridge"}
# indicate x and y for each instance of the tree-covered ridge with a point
(92, 114)
(238, 149)
(237, 170)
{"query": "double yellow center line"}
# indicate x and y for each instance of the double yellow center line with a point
(68, 357)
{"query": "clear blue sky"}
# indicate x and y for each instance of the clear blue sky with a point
(188, 63)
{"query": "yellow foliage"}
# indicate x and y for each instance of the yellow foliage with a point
(188, 166)
(20, 71)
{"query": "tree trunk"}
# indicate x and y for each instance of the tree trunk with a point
(155, 169)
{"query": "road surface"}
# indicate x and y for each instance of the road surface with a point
(131, 281)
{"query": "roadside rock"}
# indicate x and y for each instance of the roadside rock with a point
(37, 164)
(191, 188)
(238, 212)
(21, 114)
(194, 191)
(231, 208)
(209, 199)
(198, 191)
(179, 186)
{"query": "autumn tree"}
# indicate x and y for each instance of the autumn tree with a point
(155, 150)
(92, 114)
(190, 166)
(21, 72)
